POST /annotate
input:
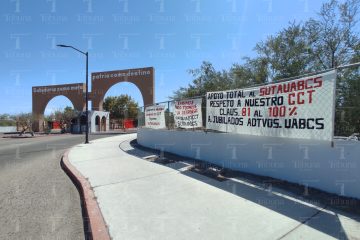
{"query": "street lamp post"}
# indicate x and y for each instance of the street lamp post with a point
(87, 91)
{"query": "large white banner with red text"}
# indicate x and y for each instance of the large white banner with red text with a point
(302, 108)
(187, 113)
(155, 116)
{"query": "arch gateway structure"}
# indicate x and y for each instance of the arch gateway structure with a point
(101, 82)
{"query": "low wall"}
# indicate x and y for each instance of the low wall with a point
(308, 162)
(7, 129)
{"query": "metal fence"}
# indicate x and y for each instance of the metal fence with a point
(347, 117)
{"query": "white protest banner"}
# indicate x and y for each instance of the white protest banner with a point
(155, 116)
(301, 108)
(187, 113)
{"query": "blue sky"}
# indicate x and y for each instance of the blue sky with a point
(172, 36)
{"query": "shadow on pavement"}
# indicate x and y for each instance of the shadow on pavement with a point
(316, 209)
(283, 203)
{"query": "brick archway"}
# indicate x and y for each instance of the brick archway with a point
(42, 95)
(143, 78)
(101, 82)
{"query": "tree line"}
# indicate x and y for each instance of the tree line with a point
(324, 42)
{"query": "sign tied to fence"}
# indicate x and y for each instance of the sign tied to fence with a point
(155, 116)
(301, 108)
(187, 113)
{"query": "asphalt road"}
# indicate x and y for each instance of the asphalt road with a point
(37, 199)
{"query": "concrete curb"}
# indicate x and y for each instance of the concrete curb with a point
(96, 223)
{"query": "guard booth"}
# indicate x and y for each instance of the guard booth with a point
(99, 121)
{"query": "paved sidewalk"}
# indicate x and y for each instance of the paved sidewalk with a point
(140, 199)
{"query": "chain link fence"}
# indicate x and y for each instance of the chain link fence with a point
(347, 107)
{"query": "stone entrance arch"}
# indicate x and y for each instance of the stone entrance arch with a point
(42, 95)
(101, 82)
(143, 78)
